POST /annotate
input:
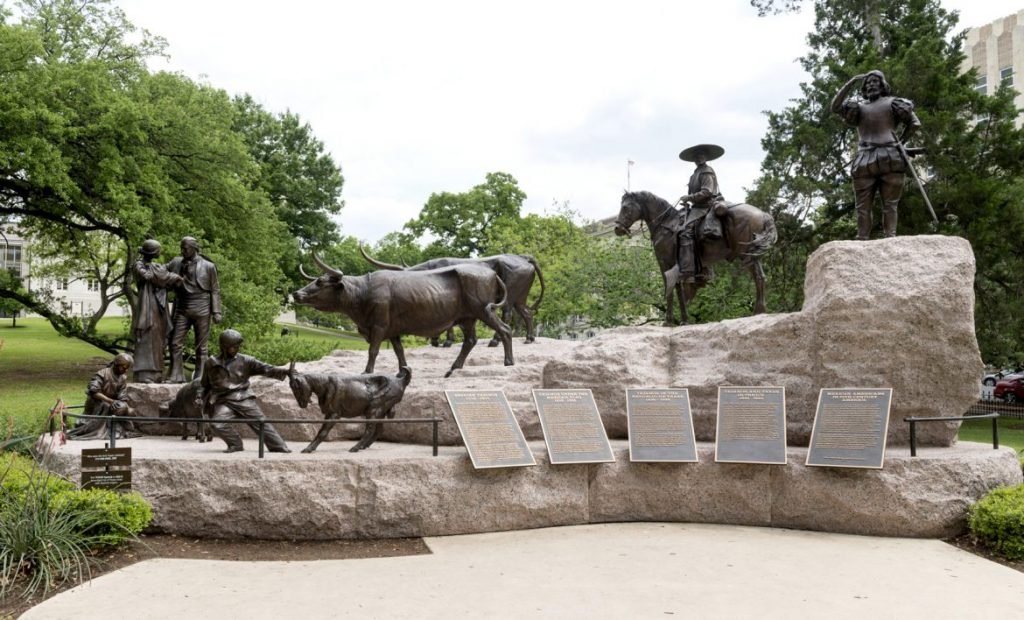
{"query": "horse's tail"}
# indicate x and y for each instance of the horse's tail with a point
(762, 241)
(540, 276)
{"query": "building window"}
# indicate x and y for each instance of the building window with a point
(62, 284)
(92, 285)
(12, 258)
(981, 85)
(1006, 76)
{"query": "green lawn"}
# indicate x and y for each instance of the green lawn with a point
(37, 366)
(1011, 432)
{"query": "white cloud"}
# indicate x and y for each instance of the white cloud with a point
(412, 98)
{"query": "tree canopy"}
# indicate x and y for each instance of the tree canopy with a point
(93, 143)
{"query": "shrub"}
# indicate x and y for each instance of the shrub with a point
(280, 351)
(998, 521)
(48, 527)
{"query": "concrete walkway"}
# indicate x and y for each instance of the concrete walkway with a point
(635, 570)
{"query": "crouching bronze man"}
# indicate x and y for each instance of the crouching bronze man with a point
(698, 207)
(224, 388)
(106, 395)
(879, 165)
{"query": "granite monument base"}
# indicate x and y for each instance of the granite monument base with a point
(398, 490)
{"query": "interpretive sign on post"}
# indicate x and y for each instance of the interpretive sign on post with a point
(489, 429)
(107, 468)
(751, 425)
(850, 428)
(660, 426)
(572, 427)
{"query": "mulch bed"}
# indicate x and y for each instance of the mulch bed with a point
(164, 546)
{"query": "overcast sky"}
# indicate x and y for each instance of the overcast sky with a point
(414, 97)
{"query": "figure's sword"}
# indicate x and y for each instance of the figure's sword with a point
(917, 179)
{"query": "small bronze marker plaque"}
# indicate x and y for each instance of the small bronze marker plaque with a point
(489, 429)
(115, 479)
(660, 426)
(106, 457)
(572, 427)
(751, 426)
(850, 428)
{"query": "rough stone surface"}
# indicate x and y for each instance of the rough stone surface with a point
(397, 490)
(888, 313)
(893, 313)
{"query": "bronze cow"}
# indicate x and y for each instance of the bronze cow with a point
(515, 270)
(385, 305)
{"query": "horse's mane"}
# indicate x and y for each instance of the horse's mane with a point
(646, 196)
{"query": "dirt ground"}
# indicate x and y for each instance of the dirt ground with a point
(164, 546)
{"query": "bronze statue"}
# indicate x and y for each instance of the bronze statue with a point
(224, 390)
(879, 164)
(384, 305)
(515, 270)
(196, 302)
(151, 321)
(105, 395)
(186, 404)
(698, 209)
(748, 233)
(349, 396)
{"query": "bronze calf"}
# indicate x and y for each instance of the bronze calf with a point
(350, 396)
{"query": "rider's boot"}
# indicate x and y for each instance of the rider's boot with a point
(686, 266)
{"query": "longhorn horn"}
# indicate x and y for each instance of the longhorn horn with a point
(378, 264)
(291, 369)
(331, 271)
(304, 274)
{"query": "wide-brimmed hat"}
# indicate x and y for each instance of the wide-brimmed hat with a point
(711, 151)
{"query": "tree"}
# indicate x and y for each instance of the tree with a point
(973, 166)
(95, 144)
(462, 224)
(301, 180)
(9, 280)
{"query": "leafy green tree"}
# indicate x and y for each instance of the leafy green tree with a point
(10, 307)
(975, 154)
(301, 180)
(96, 144)
(461, 224)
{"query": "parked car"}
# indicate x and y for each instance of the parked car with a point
(1010, 389)
(993, 377)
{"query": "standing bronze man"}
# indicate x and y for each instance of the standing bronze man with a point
(196, 302)
(151, 321)
(878, 165)
(701, 200)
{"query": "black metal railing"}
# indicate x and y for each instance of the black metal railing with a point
(112, 421)
(986, 416)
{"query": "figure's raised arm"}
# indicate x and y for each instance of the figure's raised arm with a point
(837, 101)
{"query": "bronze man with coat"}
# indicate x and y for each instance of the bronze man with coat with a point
(878, 165)
(196, 303)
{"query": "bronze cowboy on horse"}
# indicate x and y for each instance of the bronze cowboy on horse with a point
(687, 239)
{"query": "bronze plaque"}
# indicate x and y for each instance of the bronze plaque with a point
(660, 426)
(751, 425)
(850, 428)
(106, 457)
(118, 480)
(572, 427)
(489, 429)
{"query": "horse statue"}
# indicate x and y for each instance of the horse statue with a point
(748, 233)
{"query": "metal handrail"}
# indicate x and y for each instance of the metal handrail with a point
(118, 418)
(988, 416)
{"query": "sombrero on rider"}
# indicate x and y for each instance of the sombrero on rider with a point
(711, 151)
